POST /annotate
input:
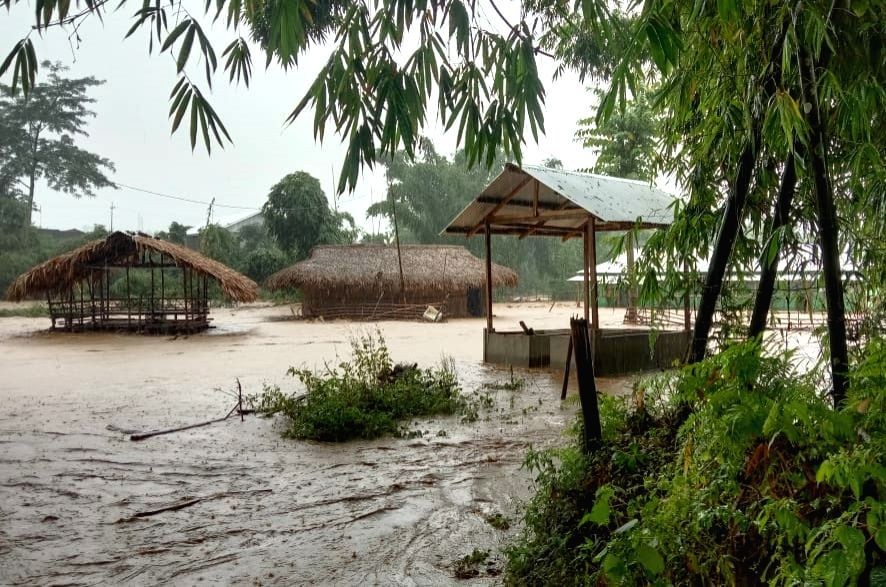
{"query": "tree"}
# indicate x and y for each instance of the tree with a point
(219, 243)
(177, 233)
(38, 132)
(298, 216)
(626, 142)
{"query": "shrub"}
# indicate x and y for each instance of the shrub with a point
(365, 397)
(733, 471)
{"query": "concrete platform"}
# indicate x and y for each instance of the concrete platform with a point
(617, 351)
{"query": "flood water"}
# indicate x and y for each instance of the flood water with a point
(81, 504)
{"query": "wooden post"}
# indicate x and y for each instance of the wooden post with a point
(587, 279)
(489, 327)
(128, 301)
(566, 372)
(162, 288)
(81, 304)
(631, 314)
(587, 386)
(185, 290)
(151, 263)
(49, 308)
(592, 245)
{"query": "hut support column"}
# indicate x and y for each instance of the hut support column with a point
(489, 327)
(631, 314)
(128, 301)
(592, 246)
(586, 283)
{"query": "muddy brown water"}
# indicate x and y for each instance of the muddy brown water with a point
(79, 502)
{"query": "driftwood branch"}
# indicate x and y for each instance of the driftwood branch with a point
(237, 409)
(188, 503)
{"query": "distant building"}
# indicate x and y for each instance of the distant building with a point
(231, 223)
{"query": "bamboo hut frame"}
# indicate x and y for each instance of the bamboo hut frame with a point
(78, 292)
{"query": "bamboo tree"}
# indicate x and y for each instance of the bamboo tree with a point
(722, 249)
(828, 231)
(769, 260)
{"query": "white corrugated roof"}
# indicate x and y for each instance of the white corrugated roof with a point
(543, 201)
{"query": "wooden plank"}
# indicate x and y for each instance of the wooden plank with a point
(566, 370)
(501, 204)
(587, 386)
(526, 220)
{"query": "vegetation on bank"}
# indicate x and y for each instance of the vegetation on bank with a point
(734, 470)
(367, 396)
(29, 311)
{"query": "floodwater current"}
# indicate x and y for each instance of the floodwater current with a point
(234, 502)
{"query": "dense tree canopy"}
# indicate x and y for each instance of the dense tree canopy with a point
(298, 216)
(38, 134)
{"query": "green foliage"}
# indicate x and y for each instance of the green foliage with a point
(38, 132)
(498, 521)
(298, 216)
(177, 233)
(31, 311)
(366, 397)
(216, 242)
(22, 247)
(625, 143)
(260, 263)
(467, 566)
(762, 482)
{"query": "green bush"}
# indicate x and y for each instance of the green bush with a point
(731, 471)
(365, 397)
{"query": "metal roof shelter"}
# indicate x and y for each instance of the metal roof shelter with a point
(540, 201)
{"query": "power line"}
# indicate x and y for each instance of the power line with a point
(201, 202)
(213, 203)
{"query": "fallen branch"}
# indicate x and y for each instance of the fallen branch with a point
(145, 435)
(188, 503)
(237, 409)
(170, 508)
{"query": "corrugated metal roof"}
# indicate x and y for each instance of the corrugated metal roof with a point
(544, 201)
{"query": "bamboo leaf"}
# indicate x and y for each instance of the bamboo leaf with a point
(173, 34)
(185, 50)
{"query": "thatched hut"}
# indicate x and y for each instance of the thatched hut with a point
(363, 281)
(131, 282)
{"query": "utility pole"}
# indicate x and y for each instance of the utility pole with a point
(112, 217)
(209, 212)
(334, 190)
(397, 240)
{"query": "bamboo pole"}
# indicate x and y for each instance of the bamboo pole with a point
(769, 267)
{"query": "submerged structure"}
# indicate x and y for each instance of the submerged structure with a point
(374, 282)
(533, 201)
(131, 282)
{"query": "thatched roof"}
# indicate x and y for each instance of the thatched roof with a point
(62, 272)
(425, 268)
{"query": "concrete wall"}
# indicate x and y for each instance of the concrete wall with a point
(616, 351)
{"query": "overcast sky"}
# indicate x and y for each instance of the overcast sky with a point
(132, 129)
